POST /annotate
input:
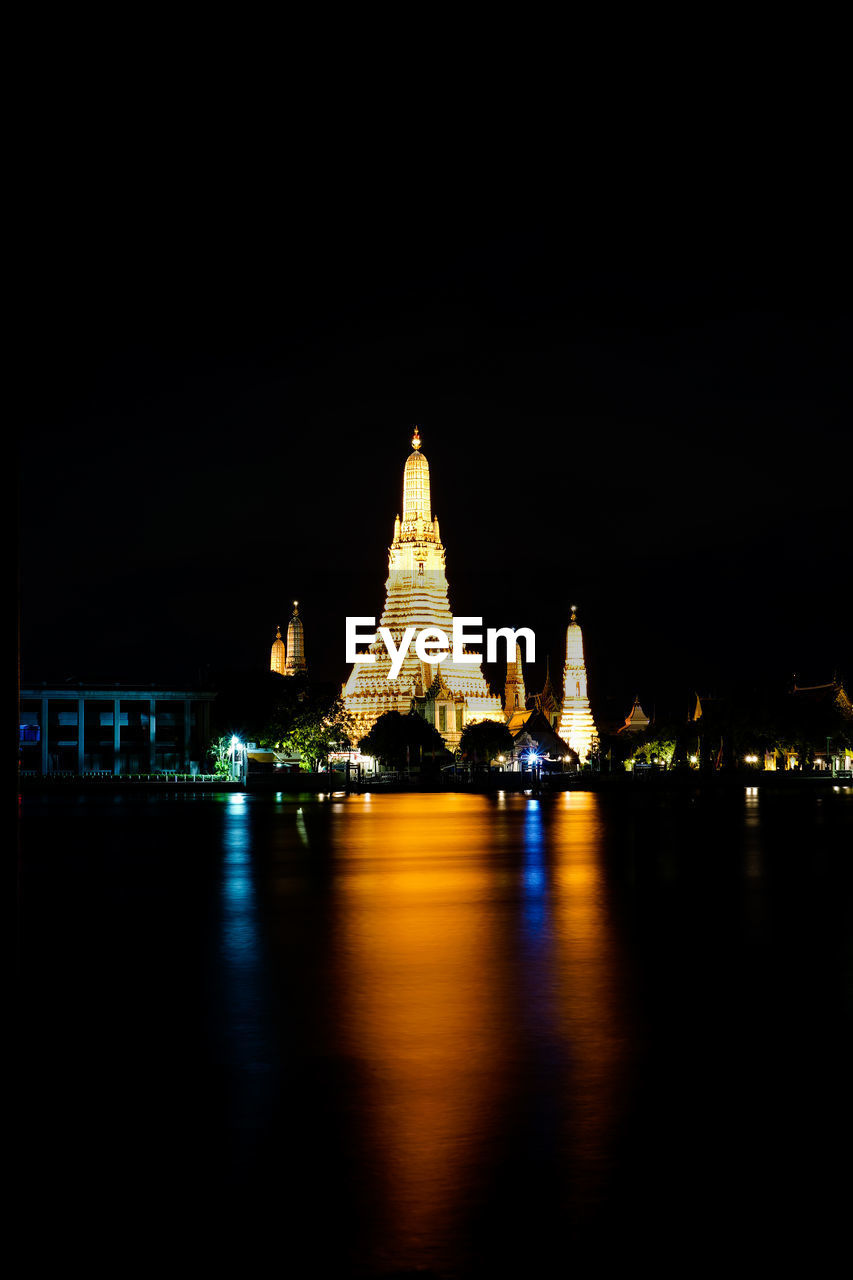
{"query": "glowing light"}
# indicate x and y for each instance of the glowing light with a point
(417, 594)
(576, 726)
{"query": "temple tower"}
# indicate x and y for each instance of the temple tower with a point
(295, 663)
(577, 727)
(450, 694)
(514, 695)
(277, 653)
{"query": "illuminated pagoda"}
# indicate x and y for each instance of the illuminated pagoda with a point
(277, 653)
(514, 695)
(448, 694)
(577, 726)
(515, 699)
(295, 663)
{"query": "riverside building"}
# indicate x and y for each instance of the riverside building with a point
(111, 728)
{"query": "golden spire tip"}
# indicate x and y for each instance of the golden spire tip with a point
(416, 439)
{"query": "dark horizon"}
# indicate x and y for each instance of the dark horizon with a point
(659, 441)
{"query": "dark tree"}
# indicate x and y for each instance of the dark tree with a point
(398, 740)
(484, 741)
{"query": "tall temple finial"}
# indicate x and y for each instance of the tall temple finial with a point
(277, 653)
(576, 725)
(295, 644)
(416, 501)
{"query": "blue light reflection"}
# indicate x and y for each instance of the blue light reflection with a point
(245, 1023)
(533, 873)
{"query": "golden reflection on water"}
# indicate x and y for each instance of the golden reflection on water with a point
(423, 1008)
(590, 982)
(472, 937)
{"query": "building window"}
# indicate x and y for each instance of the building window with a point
(442, 719)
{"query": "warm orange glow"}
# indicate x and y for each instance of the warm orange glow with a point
(425, 1009)
(593, 1013)
(436, 977)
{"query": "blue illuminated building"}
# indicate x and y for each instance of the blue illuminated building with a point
(112, 729)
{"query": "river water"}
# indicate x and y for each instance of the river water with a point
(449, 1035)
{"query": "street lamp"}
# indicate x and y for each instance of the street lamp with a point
(237, 753)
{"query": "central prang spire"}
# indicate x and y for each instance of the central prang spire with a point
(416, 499)
(450, 694)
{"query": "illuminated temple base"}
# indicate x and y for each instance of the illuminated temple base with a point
(577, 727)
(448, 695)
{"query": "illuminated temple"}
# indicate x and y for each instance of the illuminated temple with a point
(289, 660)
(278, 654)
(515, 697)
(448, 694)
(295, 663)
(576, 727)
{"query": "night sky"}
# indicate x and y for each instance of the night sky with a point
(221, 394)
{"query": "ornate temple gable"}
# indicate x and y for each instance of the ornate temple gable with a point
(537, 734)
(636, 719)
(517, 720)
(833, 693)
(547, 701)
